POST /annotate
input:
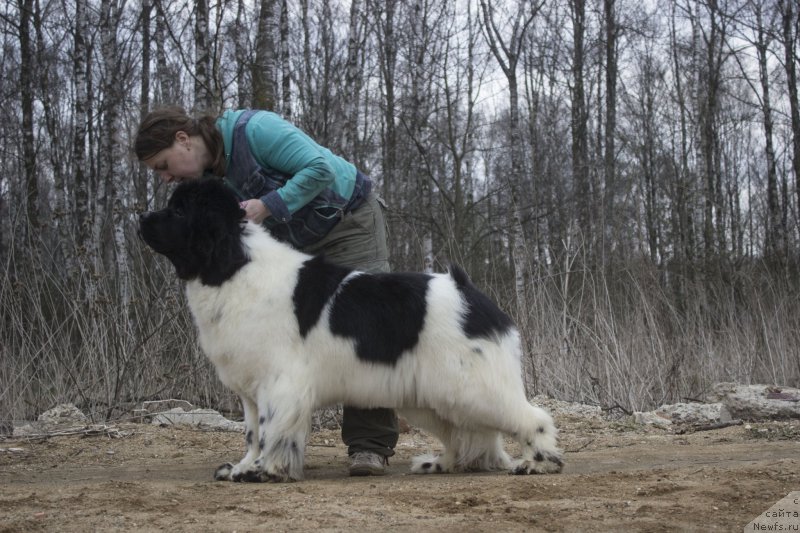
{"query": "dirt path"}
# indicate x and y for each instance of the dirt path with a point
(617, 477)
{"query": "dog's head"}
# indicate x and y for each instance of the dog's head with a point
(199, 231)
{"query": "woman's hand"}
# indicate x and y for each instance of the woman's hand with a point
(255, 210)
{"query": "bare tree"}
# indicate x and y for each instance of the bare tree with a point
(644, 138)
(80, 177)
(681, 190)
(140, 184)
(459, 133)
(286, 70)
(609, 158)
(580, 118)
(353, 83)
(166, 77)
(304, 75)
(203, 94)
(241, 57)
(52, 158)
(775, 230)
(506, 51)
(264, 67)
(319, 75)
(789, 26)
(383, 13)
(27, 92)
(111, 156)
(709, 58)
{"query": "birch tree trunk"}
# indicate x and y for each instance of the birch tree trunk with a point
(708, 63)
(384, 15)
(646, 150)
(789, 28)
(306, 80)
(609, 158)
(460, 133)
(774, 232)
(48, 89)
(579, 124)
(353, 82)
(27, 92)
(140, 185)
(110, 169)
(325, 116)
(682, 211)
(167, 92)
(507, 53)
(263, 71)
(286, 70)
(244, 91)
(414, 122)
(85, 246)
(203, 99)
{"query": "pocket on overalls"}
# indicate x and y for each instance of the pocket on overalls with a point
(254, 185)
(312, 223)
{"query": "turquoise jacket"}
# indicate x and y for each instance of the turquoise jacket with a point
(277, 145)
(306, 188)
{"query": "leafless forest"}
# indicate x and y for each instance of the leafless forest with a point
(622, 176)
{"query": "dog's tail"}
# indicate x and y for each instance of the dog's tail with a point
(483, 318)
(459, 275)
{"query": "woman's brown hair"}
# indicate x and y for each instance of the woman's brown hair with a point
(157, 132)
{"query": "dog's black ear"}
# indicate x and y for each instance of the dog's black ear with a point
(222, 252)
(183, 269)
(218, 232)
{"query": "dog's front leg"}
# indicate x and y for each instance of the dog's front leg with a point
(277, 427)
(247, 466)
(284, 420)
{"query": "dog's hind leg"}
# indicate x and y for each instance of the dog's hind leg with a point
(492, 397)
(536, 435)
(508, 413)
(464, 449)
(480, 450)
(229, 472)
(440, 463)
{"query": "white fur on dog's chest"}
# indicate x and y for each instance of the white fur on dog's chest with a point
(227, 328)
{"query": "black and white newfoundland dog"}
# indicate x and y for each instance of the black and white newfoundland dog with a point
(289, 333)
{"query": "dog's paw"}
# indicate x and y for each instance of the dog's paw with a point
(253, 472)
(543, 463)
(258, 475)
(223, 472)
(249, 476)
(428, 464)
(239, 474)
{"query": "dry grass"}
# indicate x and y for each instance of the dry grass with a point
(625, 340)
(622, 339)
(58, 346)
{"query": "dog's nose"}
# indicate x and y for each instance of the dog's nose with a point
(142, 219)
(143, 216)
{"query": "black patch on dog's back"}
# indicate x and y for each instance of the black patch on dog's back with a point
(483, 317)
(383, 313)
(317, 281)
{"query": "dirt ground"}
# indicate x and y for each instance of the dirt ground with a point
(618, 477)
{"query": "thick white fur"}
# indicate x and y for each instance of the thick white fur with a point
(465, 391)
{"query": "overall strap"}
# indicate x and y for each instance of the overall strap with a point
(241, 163)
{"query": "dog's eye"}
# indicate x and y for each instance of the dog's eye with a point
(178, 213)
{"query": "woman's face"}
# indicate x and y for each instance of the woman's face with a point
(184, 160)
